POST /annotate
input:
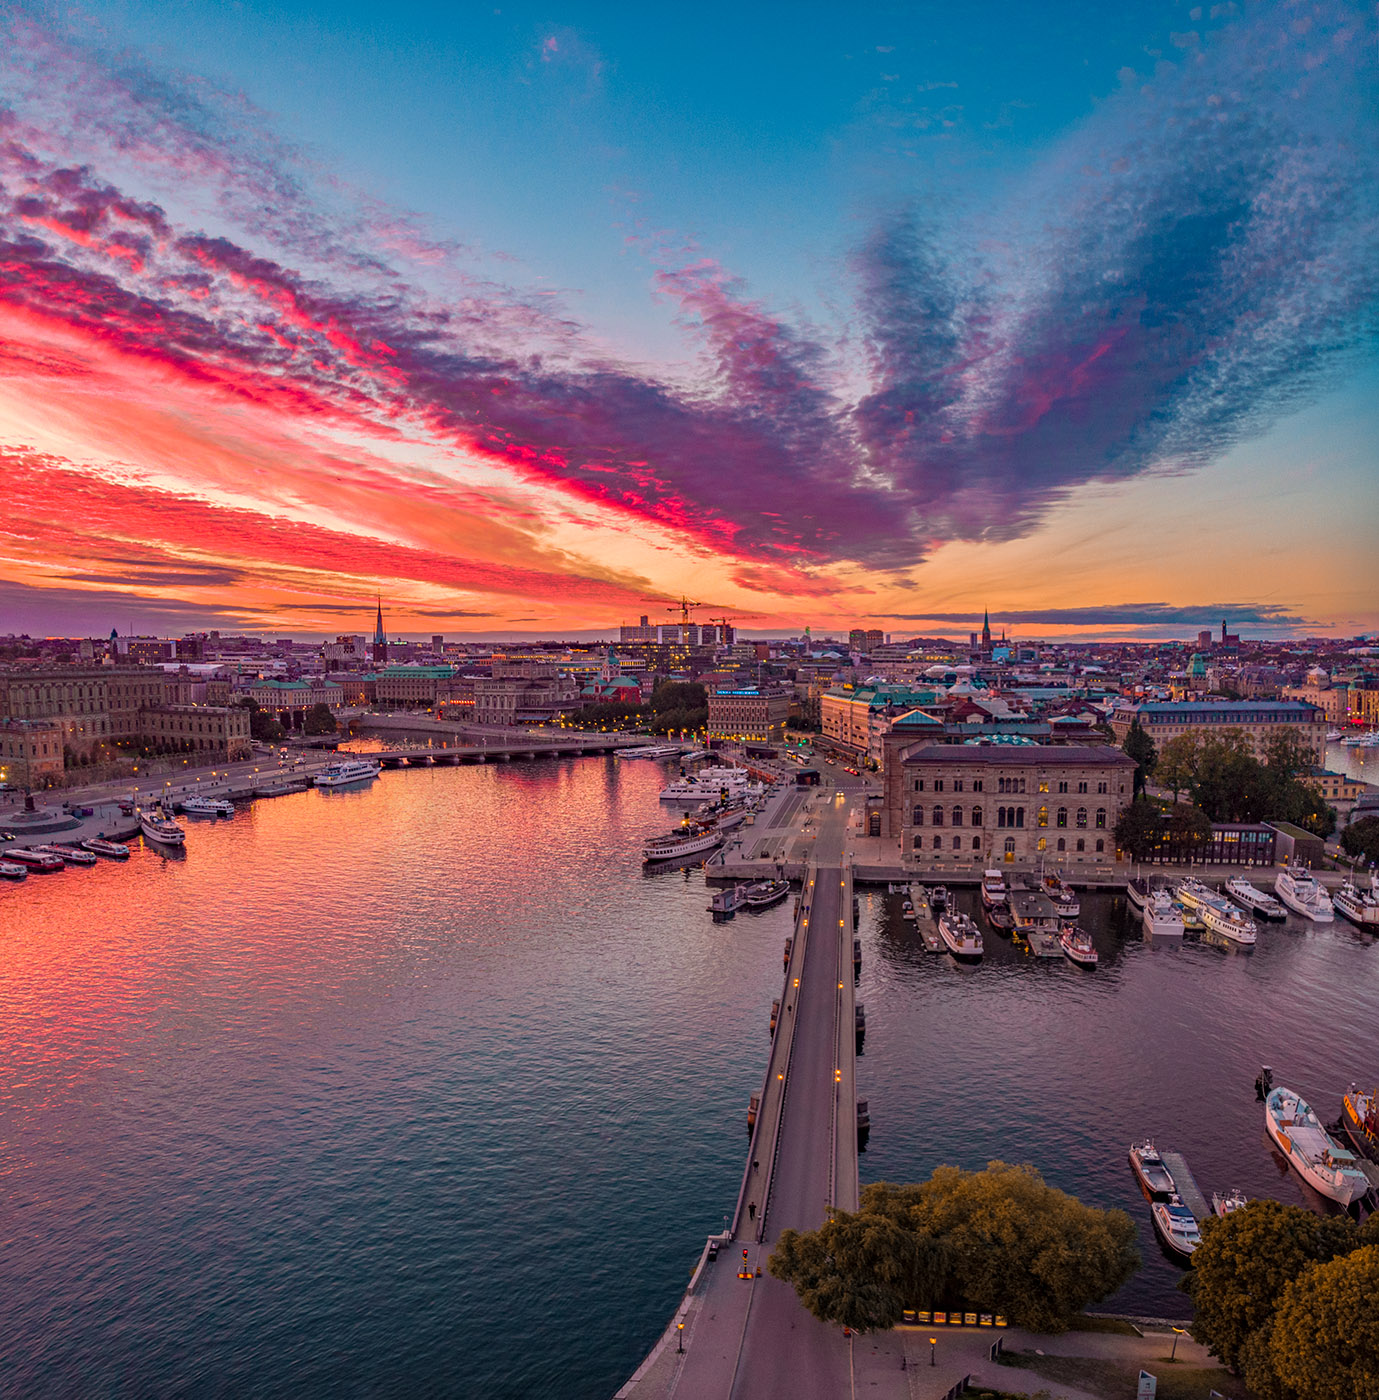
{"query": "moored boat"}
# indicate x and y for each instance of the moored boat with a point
(1077, 946)
(35, 861)
(1000, 918)
(938, 898)
(686, 840)
(763, 893)
(1137, 892)
(960, 936)
(1360, 1119)
(1311, 1151)
(727, 901)
(68, 855)
(1218, 913)
(1359, 906)
(98, 845)
(1303, 895)
(1036, 921)
(1154, 1177)
(157, 826)
(1065, 900)
(1162, 918)
(10, 870)
(994, 890)
(208, 806)
(346, 773)
(709, 784)
(1177, 1227)
(1235, 1199)
(1250, 897)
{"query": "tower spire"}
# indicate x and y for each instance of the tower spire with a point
(380, 638)
(986, 627)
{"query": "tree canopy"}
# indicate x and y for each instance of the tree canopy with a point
(1138, 827)
(319, 720)
(999, 1239)
(1141, 748)
(1362, 838)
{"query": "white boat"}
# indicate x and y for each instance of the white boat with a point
(34, 861)
(347, 772)
(1177, 1227)
(1077, 946)
(938, 897)
(960, 936)
(994, 890)
(1137, 892)
(651, 751)
(1234, 1199)
(764, 893)
(1311, 1151)
(1162, 918)
(684, 841)
(11, 871)
(1255, 900)
(1303, 895)
(156, 826)
(1359, 906)
(1150, 1171)
(1332, 735)
(1065, 901)
(116, 850)
(727, 901)
(1221, 916)
(68, 855)
(1192, 893)
(709, 784)
(208, 806)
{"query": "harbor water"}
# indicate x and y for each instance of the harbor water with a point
(426, 1089)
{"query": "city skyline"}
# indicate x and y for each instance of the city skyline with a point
(534, 325)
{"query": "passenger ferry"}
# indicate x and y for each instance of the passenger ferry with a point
(1077, 946)
(1360, 1119)
(1311, 1151)
(688, 840)
(9, 870)
(651, 751)
(116, 850)
(157, 826)
(208, 806)
(1218, 914)
(708, 784)
(1162, 918)
(1154, 1177)
(993, 889)
(1303, 895)
(1137, 892)
(347, 772)
(1177, 1227)
(1248, 896)
(960, 936)
(34, 860)
(1065, 901)
(1359, 906)
(68, 855)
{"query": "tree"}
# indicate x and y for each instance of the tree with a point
(319, 720)
(1244, 1263)
(1141, 748)
(262, 725)
(679, 695)
(1177, 764)
(1227, 784)
(1287, 755)
(1361, 839)
(1189, 829)
(1324, 1342)
(1138, 828)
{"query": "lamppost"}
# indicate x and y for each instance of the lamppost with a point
(680, 1338)
(933, 1349)
(1177, 1332)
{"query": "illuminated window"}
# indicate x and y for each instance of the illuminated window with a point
(1043, 784)
(1043, 817)
(1043, 842)
(1101, 818)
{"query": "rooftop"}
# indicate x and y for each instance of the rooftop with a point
(1024, 755)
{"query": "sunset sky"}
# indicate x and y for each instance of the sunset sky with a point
(533, 319)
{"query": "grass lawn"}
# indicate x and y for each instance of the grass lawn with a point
(1116, 1379)
(1083, 1323)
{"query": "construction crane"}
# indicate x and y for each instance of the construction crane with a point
(725, 624)
(682, 607)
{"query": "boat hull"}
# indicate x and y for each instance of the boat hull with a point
(1366, 1143)
(1176, 1246)
(1319, 913)
(1342, 1190)
(1156, 1182)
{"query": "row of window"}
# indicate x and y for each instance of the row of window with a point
(1010, 785)
(1062, 845)
(1007, 816)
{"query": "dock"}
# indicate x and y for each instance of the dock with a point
(926, 921)
(1188, 1191)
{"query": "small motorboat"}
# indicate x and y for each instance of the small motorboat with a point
(11, 871)
(1078, 946)
(1154, 1177)
(1000, 918)
(938, 898)
(1177, 1227)
(98, 845)
(68, 855)
(1235, 1199)
(763, 893)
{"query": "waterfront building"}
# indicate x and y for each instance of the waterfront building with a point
(1164, 720)
(854, 721)
(94, 705)
(30, 752)
(749, 713)
(289, 701)
(413, 685)
(507, 700)
(1329, 699)
(1009, 803)
(210, 731)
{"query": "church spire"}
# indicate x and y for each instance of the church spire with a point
(380, 638)
(986, 627)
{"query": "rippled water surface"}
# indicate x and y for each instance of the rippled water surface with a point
(426, 1089)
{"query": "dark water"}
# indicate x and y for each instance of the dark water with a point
(1039, 1061)
(428, 1090)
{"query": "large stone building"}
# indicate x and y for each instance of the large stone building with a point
(210, 731)
(1003, 803)
(855, 721)
(30, 752)
(757, 713)
(1165, 720)
(93, 705)
(290, 700)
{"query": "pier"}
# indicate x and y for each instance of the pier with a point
(1188, 1191)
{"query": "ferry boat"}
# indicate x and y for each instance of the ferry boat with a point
(727, 901)
(35, 861)
(1154, 1177)
(1248, 896)
(1359, 906)
(1332, 735)
(708, 784)
(1064, 900)
(1177, 1227)
(1303, 895)
(208, 806)
(1221, 916)
(347, 772)
(68, 855)
(1137, 892)
(1077, 946)
(1360, 1119)
(158, 826)
(1193, 894)
(98, 845)
(9, 870)
(1311, 1151)
(1162, 918)
(686, 840)
(651, 751)
(993, 889)
(1234, 1199)
(763, 893)
(961, 936)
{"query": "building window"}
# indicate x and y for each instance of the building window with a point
(919, 784)
(1101, 787)
(1062, 844)
(976, 818)
(1101, 846)
(919, 843)
(957, 843)
(1010, 848)
(976, 843)
(1019, 816)
(918, 817)
(1062, 817)
(957, 784)
(1000, 817)
(938, 816)
(938, 784)
(1043, 784)
(1101, 818)
(1043, 843)
(957, 817)
(1063, 786)
(938, 842)
(1082, 816)
(1082, 787)
(977, 785)
(1081, 844)
(1043, 816)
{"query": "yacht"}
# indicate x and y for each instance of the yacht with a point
(1064, 900)
(688, 840)
(116, 850)
(1137, 892)
(709, 784)
(764, 893)
(1177, 1227)
(208, 806)
(1359, 906)
(651, 751)
(1154, 1177)
(1248, 896)
(68, 855)
(1360, 1119)
(1303, 895)
(1234, 1199)
(347, 772)
(960, 935)
(1311, 1151)
(9, 870)
(1162, 918)
(35, 861)
(1077, 946)
(993, 889)
(1332, 735)
(158, 826)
